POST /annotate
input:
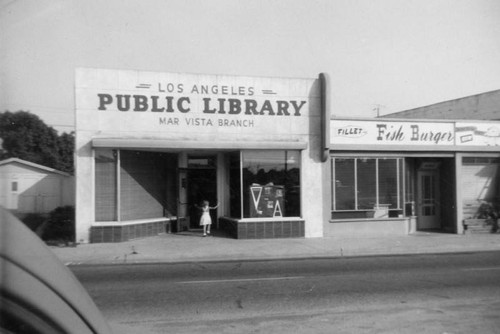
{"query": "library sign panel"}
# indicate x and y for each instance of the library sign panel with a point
(149, 101)
(379, 132)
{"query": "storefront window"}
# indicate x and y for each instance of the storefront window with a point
(147, 184)
(364, 187)
(144, 186)
(271, 183)
(105, 185)
(388, 182)
(344, 184)
(367, 183)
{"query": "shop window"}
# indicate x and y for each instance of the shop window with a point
(344, 184)
(271, 183)
(145, 183)
(366, 187)
(367, 183)
(388, 182)
(105, 185)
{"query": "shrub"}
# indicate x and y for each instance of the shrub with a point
(33, 221)
(60, 225)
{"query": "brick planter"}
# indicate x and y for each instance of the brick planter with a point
(259, 229)
(125, 232)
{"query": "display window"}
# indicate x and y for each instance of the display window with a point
(367, 187)
(268, 182)
(133, 185)
(106, 185)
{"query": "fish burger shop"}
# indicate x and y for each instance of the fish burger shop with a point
(393, 176)
(150, 147)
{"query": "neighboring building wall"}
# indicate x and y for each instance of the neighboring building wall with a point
(485, 106)
(464, 156)
(24, 188)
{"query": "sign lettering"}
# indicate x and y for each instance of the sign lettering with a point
(171, 104)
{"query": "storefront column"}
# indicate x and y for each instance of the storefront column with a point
(459, 210)
(312, 197)
(222, 185)
(84, 193)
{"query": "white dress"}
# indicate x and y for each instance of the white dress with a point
(205, 217)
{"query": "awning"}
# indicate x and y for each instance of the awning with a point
(166, 144)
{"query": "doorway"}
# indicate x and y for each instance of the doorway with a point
(428, 200)
(198, 182)
(201, 185)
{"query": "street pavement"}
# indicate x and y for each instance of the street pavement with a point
(193, 247)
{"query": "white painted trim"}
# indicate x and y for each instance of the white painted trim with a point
(32, 164)
(188, 144)
(132, 222)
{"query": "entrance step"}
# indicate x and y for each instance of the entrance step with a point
(474, 226)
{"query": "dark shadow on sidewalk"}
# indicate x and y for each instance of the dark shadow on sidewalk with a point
(431, 232)
(214, 233)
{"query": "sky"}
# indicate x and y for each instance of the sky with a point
(390, 55)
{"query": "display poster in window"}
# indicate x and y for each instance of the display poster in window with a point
(266, 200)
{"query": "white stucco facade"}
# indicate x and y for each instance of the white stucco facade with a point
(189, 113)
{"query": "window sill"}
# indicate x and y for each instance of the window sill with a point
(263, 219)
(132, 222)
(356, 220)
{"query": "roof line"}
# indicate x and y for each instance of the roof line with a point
(32, 164)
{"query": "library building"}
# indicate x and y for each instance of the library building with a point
(150, 147)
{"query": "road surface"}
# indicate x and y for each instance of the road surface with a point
(451, 293)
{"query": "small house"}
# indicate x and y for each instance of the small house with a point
(27, 187)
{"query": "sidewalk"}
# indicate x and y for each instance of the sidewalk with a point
(192, 247)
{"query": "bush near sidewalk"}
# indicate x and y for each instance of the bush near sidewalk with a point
(34, 221)
(60, 226)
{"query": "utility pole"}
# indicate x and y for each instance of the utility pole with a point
(377, 108)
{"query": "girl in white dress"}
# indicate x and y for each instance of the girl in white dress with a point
(206, 220)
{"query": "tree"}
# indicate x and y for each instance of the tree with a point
(66, 144)
(25, 136)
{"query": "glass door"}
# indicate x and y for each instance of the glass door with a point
(428, 199)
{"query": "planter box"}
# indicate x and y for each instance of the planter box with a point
(124, 232)
(261, 229)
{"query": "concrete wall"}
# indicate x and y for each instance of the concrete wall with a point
(373, 227)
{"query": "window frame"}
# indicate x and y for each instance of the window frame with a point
(245, 198)
(399, 183)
